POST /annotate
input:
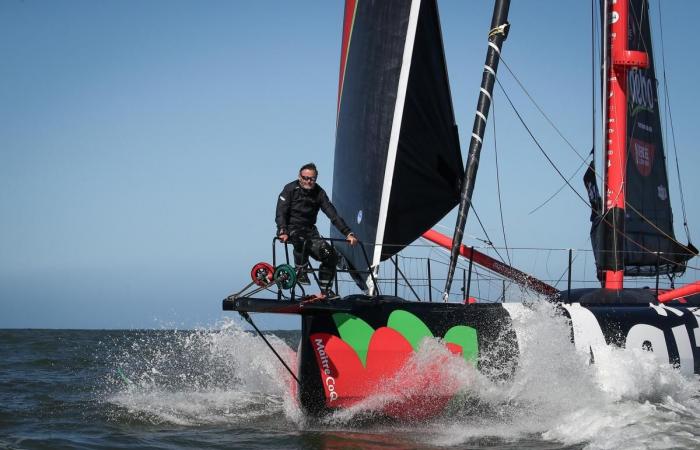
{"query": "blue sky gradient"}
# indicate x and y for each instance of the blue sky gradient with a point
(142, 144)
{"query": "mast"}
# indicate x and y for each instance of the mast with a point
(497, 34)
(622, 60)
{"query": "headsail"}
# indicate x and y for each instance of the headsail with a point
(648, 220)
(397, 159)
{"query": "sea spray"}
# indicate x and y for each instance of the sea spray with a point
(556, 393)
(219, 375)
(645, 400)
(226, 376)
(555, 396)
(428, 381)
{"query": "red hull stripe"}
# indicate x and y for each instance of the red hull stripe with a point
(348, 23)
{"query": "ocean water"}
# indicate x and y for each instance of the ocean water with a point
(223, 388)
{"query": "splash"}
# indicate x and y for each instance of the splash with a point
(624, 400)
(627, 399)
(223, 375)
(428, 381)
(226, 375)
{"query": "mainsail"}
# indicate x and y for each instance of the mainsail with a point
(647, 242)
(397, 157)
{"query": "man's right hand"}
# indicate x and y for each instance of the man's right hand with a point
(283, 237)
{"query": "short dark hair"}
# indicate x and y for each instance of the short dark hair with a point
(309, 166)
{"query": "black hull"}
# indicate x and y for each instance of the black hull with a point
(344, 340)
(496, 338)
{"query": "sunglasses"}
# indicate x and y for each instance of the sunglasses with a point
(307, 178)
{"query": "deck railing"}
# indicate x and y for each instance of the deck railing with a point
(419, 271)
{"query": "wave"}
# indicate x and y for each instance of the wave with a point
(223, 375)
(226, 375)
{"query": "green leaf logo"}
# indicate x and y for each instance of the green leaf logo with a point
(357, 334)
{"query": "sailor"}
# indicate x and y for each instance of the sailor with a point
(297, 209)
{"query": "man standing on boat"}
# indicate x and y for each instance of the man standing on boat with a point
(297, 209)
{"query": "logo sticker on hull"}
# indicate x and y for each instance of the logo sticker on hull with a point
(661, 329)
(357, 363)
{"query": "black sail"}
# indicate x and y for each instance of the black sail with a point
(397, 159)
(648, 216)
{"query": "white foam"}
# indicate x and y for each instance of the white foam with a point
(222, 375)
(627, 399)
(413, 380)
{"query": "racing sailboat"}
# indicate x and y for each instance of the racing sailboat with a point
(399, 170)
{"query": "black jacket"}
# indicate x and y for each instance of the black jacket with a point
(297, 209)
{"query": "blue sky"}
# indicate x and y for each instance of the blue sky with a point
(142, 144)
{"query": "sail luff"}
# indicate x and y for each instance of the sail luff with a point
(394, 139)
(397, 162)
(497, 35)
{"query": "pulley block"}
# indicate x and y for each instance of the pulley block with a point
(262, 274)
(285, 276)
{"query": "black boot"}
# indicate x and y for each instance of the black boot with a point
(302, 276)
(326, 288)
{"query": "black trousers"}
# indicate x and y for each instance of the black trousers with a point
(308, 242)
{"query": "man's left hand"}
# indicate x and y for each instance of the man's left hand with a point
(351, 239)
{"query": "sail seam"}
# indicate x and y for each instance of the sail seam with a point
(395, 132)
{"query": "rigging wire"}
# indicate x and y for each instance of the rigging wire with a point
(476, 238)
(662, 232)
(567, 183)
(539, 146)
(593, 96)
(537, 143)
(561, 188)
(637, 17)
(566, 271)
(670, 122)
(498, 180)
(486, 234)
(248, 319)
(551, 123)
(486, 241)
